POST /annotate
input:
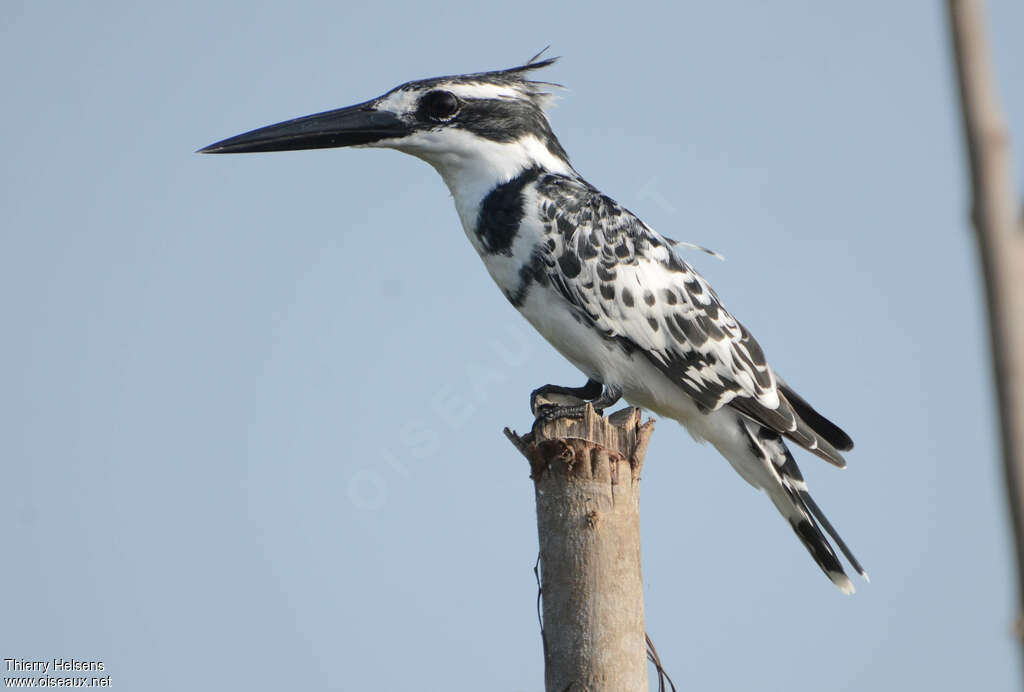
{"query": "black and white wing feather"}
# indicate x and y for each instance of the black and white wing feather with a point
(624, 279)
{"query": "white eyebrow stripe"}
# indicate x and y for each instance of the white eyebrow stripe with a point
(480, 90)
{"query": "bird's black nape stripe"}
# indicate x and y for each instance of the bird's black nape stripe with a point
(501, 212)
(828, 430)
(508, 120)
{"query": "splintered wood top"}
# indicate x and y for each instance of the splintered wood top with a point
(560, 444)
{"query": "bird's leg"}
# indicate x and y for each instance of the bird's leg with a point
(599, 397)
(588, 392)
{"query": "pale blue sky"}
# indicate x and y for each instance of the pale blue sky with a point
(228, 458)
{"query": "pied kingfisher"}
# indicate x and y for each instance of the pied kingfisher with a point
(600, 285)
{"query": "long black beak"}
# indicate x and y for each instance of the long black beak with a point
(345, 127)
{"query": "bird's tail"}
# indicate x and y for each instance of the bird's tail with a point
(794, 502)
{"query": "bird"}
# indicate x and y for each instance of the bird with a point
(607, 291)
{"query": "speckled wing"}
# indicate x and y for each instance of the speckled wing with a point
(624, 280)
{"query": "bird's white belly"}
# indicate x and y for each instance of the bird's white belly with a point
(551, 316)
(608, 362)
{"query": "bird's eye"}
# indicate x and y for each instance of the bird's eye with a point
(439, 105)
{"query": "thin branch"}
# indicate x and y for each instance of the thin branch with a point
(1000, 236)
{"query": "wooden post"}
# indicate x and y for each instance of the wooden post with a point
(999, 231)
(586, 476)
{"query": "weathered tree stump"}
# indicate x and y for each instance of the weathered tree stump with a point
(586, 476)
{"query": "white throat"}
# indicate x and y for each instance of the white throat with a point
(472, 166)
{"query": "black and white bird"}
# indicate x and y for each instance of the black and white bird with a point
(606, 290)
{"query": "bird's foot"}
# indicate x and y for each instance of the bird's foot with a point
(545, 410)
(553, 395)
